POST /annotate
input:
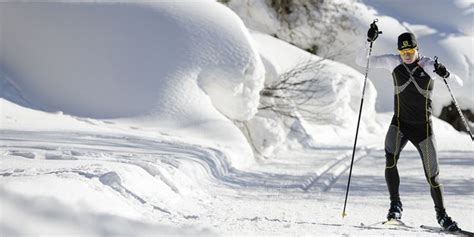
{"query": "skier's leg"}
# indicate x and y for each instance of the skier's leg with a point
(428, 153)
(427, 150)
(394, 143)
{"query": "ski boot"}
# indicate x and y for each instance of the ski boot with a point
(446, 222)
(395, 211)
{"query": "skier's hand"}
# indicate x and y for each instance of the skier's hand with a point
(441, 70)
(373, 32)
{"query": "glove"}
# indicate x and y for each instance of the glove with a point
(373, 32)
(441, 70)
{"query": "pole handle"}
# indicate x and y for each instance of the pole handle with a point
(373, 23)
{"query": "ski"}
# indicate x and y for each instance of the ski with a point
(397, 223)
(441, 230)
(392, 224)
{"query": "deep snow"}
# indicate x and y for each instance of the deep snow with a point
(121, 140)
(446, 34)
(168, 65)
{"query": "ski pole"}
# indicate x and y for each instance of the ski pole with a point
(358, 122)
(468, 129)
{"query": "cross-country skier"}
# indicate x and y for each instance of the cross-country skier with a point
(413, 78)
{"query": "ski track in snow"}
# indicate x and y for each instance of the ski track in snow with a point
(313, 175)
(145, 153)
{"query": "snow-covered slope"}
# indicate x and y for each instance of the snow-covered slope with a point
(64, 175)
(339, 31)
(119, 119)
(333, 106)
(179, 66)
(450, 38)
(140, 55)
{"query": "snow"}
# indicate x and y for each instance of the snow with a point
(200, 74)
(136, 119)
(336, 102)
(446, 34)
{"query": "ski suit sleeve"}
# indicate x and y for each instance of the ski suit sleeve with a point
(428, 66)
(387, 61)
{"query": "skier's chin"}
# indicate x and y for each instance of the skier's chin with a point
(409, 60)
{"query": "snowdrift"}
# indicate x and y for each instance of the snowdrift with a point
(127, 60)
(134, 89)
(162, 66)
(180, 66)
(334, 105)
(340, 31)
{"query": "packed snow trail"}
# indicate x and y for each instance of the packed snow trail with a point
(146, 153)
(293, 192)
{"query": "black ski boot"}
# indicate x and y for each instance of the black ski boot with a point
(446, 222)
(395, 211)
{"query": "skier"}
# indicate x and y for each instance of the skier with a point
(413, 78)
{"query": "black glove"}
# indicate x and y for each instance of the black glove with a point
(373, 32)
(441, 70)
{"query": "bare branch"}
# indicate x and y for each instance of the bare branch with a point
(296, 92)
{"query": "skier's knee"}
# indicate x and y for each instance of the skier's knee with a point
(391, 160)
(434, 181)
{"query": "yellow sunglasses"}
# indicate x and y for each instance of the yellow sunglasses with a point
(407, 51)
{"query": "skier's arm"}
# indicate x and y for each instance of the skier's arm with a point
(387, 61)
(452, 79)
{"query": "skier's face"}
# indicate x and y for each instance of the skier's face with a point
(409, 55)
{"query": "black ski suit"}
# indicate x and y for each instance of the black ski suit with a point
(413, 86)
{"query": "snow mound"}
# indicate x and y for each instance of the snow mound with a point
(338, 30)
(43, 216)
(127, 60)
(331, 110)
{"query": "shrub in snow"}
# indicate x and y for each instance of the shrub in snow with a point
(310, 98)
(320, 91)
